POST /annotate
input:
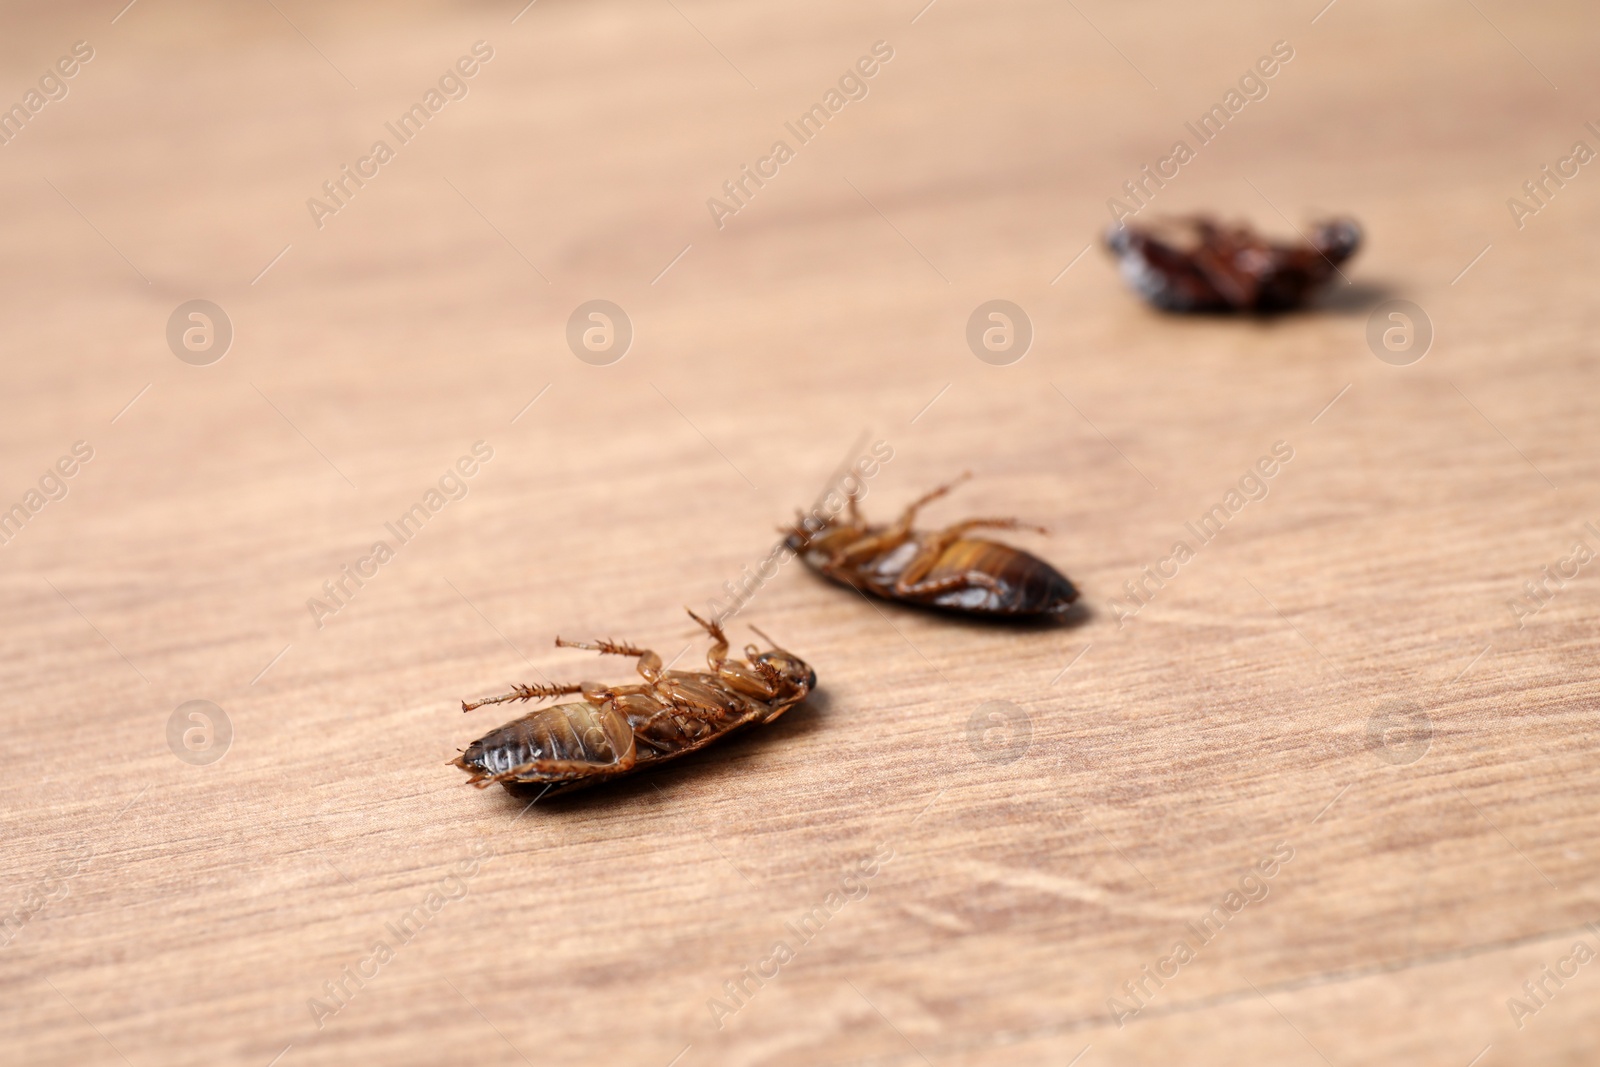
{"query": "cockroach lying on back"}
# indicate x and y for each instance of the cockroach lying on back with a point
(1197, 264)
(940, 569)
(622, 728)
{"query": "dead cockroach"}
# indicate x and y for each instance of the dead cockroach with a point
(941, 569)
(619, 729)
(1195, 264)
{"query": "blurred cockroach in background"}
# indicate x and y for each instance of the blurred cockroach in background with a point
(1196, 264)
(623, 728)
(940, 569)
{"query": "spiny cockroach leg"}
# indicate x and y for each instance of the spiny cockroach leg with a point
(910, 513)
(712, 628)
(889, 538)
(769, 674)
(935, 586)
(933, 546)
(717, 654)
(954, 531)
(649, 662)
(525, 692)
(605, 648)
(688, 709)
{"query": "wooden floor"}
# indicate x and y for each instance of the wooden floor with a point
(1327, 752)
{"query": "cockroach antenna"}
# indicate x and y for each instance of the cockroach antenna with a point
(839, 471)
(775, 646)
(798, 527)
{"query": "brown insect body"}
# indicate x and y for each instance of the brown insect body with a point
(939, 569)
(617, 730)
(1195, 264)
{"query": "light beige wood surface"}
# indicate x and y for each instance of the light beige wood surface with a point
(195, 912)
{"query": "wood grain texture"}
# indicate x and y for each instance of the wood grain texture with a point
(195, 912)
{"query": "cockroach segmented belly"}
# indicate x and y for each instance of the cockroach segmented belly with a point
(940, 569)
(616, 730)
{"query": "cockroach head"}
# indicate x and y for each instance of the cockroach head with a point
(793, 674)
(804, 529)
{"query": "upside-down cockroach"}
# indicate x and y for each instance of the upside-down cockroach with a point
(941, 569)
(622, 728)
(1195, 264)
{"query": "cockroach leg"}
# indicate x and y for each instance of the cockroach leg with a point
(994, 524)
(677, 710)
(945, 585)
(718, 652)
(525, 692)
(759, 679)
(934, 545)
(688, 709)
(649, 662)
(909, 515)
(867, 547)
(598, 693)
(770, 675)
(681, 701)
(605, 648)
(881, 544)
